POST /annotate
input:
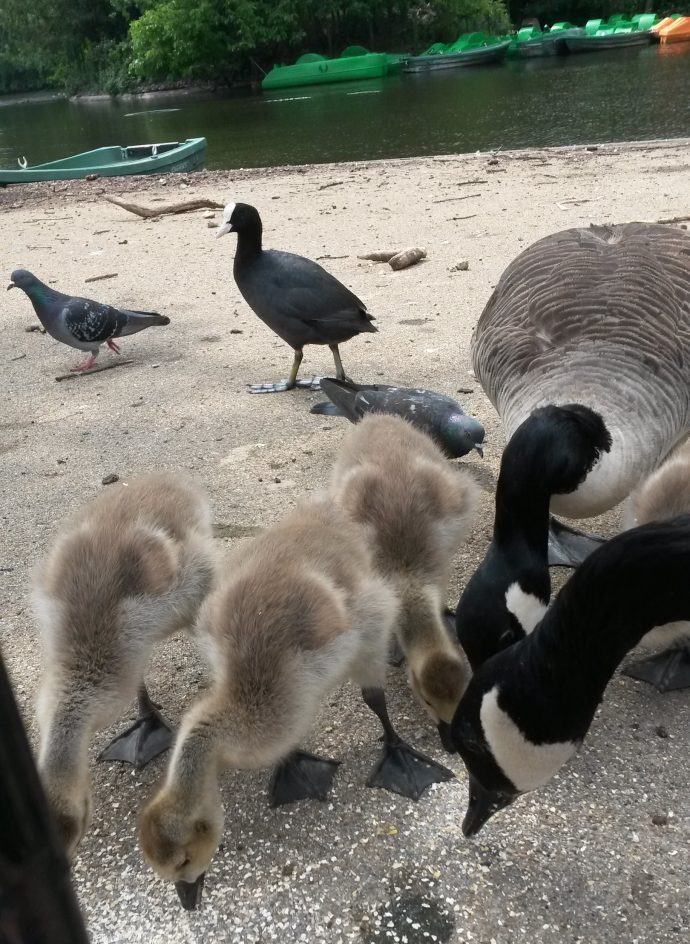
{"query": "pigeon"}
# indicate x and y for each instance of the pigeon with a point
(439, 416)
(81, 322)
(296, 298)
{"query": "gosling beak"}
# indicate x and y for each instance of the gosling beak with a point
(12, 285)
(189, 893)
(446, 739)
(225, 228)
(481, 807)
(480, 449)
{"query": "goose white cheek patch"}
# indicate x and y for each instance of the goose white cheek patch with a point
(525, 607)
(525, 764)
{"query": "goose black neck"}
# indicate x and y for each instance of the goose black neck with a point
(636, 581)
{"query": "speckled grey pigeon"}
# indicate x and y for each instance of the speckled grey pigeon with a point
(439, 416)
(294, 296)
(81, 322)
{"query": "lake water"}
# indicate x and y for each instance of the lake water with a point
(607, 96)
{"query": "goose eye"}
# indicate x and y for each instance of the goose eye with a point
(183, 865)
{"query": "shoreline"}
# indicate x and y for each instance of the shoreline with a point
(37, 193)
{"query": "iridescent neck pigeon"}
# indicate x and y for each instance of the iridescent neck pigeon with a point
(439, 416)
(81, 322)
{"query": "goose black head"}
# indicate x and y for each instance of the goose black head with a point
(497, 732)
(240, 218)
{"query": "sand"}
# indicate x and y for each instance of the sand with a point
(580, 861)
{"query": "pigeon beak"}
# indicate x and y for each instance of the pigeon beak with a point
(12, 285)
(189, 893)
(225, 228)
(480, 449)
(481, 807)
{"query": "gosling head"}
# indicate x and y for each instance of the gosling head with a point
(439, 680)
(71, 810)
(179, 841)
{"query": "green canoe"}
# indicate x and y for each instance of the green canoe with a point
(115, 162)
(313, 69)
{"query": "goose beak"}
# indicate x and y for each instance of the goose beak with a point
(225, 228)
(12, 285)
(481, 807)
(189, 893)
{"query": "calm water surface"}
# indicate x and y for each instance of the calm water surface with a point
(606, 96)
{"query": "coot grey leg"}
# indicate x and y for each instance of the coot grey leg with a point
(148, 737)
(281, 385)
(400, 768)
(668, 670)
(339, 369)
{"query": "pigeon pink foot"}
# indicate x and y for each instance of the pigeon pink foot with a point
(113, 346)
(85, 365)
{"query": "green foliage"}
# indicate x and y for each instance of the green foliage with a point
(112, 44)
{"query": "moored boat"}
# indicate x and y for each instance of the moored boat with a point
(168, 157)
(472, 49)
(355, 64)
(608, 39)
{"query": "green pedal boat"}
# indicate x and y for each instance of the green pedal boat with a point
(354, 64)
(171, 156)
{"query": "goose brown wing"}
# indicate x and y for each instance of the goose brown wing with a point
(618, 290)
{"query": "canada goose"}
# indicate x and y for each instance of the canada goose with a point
(550, 453)
(415, 508)
(81, 322)
(298, 609)
(601, 317)
(665, 494)
(527, 709)
(296, 298)
(129, 570)
(439, 416)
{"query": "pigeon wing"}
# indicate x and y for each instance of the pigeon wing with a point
(92, 322)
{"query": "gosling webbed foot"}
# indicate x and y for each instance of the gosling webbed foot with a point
(148, 737)
(568, 547)
(280, 386)
(301, 776)
(668, 670)
(403, 770)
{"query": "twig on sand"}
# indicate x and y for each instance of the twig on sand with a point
(99, 278)
(675, 219)
(94, 370)
(470, 217)
(332, 183)
(465, 196)
(147, 213)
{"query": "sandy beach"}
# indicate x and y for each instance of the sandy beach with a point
(581, 861)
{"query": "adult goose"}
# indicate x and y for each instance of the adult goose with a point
(527, 709)
(550, 453)
(296, 298)
(132, 568)
(600, 317)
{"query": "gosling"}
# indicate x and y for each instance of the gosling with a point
(131, 569)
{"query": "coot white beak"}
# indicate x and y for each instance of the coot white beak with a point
(225, 228)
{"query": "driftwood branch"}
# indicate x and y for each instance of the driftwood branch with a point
(94, 370)
(675, 219)
(148, 213)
